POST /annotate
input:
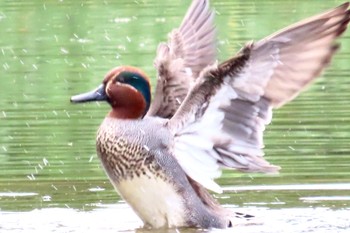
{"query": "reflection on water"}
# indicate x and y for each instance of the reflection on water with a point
(120, 218)
(50, 177)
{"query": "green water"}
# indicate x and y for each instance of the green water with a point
(50, 50)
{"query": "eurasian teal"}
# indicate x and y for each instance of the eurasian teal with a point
(162, 157)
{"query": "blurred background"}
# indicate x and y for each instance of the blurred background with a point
(50, 50)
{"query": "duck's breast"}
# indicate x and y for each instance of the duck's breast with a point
(127, 150)
(154, 199)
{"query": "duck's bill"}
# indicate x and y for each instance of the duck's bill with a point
(98, 94)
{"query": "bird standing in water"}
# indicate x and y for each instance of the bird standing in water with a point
(163, 157)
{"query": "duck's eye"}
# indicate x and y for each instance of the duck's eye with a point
(119, 78)
(129, 78)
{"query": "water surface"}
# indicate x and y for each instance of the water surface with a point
(50, 177)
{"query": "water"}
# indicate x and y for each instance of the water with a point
(50, 177)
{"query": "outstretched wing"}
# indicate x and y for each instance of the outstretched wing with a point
(189, 50)
(222, 119)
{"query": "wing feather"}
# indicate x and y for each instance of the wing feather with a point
(189, 50)
(223, 117)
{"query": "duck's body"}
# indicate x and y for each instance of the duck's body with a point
(132, 153)
(161, 157)
(136, 156)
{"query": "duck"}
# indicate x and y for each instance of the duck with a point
(163, 157)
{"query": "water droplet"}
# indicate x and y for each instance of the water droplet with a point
(146, 147)
(121, 47)
(242, 22)
(64, 50)
(46, 198)
(178, 100)
(161, 20)
(96, 189)
(67, 114)
(122, 20)
(31, 177)
(6, 66)
(188, 71)
(45, 161)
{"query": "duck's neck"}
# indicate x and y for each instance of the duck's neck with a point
(130, 113)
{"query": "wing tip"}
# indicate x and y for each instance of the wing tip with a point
(343, 6)
(265, 168)
(272, 169)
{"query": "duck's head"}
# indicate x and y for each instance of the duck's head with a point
(127, 89)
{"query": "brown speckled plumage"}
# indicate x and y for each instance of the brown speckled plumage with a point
(122, 158)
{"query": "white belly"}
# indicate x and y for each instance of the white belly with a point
(154, 200)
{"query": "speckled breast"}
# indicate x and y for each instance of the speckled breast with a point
(123, 158)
